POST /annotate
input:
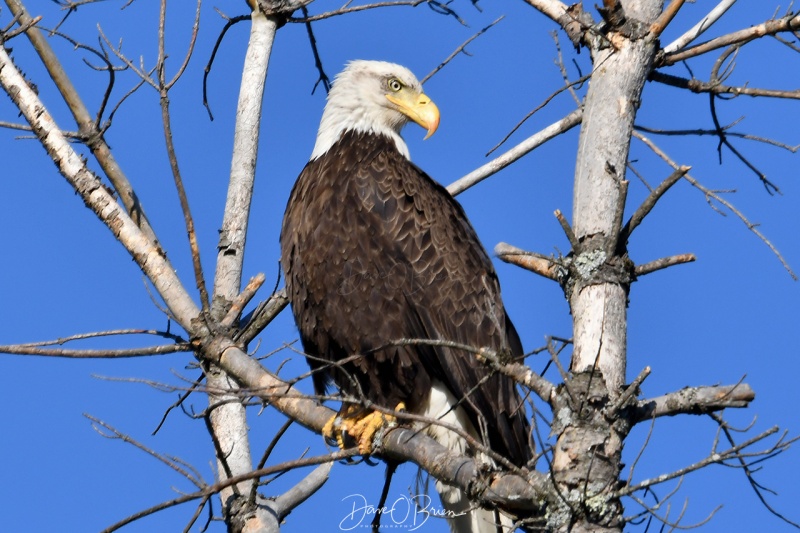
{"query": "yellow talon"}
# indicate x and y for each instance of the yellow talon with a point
(359, 427)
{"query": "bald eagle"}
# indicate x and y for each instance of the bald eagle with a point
(375, 251)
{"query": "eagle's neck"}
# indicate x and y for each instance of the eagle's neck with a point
(338, 119)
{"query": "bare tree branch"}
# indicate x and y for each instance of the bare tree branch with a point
(709, 194)
(459, 50)
(19, 349)
(143, 249)
(216, 488)
(698, 29)
(789, 23)
(502, 161)
(697, 86)
(695, 401)
(655, 195)
(437, 6)
(661, 23)
(86, 126)
(536, 263)
(666, 262)
(732, 453)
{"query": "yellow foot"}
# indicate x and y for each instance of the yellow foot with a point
(359, 427)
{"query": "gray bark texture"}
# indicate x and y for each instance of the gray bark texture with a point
(587, 457)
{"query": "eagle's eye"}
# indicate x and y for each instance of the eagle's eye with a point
(394, 84)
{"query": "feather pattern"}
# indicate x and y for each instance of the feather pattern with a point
(375, 251)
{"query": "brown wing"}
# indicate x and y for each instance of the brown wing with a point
(376, 251)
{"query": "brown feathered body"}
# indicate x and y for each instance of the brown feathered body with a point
(375, 251)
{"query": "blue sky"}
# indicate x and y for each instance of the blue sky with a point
(731, 314)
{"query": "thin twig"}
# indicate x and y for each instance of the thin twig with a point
(459, 50)
(655, 195)
(709, 194)
(664, 262)
(749, 473)
(717, 457)
(630, 391)
(243, 299)
(573, 240)
(217, 487)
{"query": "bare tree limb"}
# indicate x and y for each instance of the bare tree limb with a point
(697, 86)
(788, 23)
(145, 251)
(437, 6)
(242, 300)
(400, 443)
(228, 420)
(502, 161)
(216, 488)
(459, 50)
(709, 194)
(86, 126)
(19, 349)
(536, 263)
(698, 29)
(661, 23)
(695, 401)
(665, 262)
(572, 19)
(303, 490)
(166, 121)
(630, 391)
(715, 457)
(262, 316)
(655, 195)
(748, 472)
(715, 133)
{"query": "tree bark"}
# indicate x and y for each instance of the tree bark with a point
(228, 416)
(587, 457)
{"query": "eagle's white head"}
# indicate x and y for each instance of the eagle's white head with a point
(374, 97)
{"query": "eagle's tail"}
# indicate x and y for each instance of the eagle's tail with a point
(463, 515)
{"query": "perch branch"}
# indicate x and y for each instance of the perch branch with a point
(400, 443)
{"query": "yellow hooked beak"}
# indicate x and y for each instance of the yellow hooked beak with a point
(417, 107)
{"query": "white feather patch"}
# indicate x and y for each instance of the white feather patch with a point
(465, 518)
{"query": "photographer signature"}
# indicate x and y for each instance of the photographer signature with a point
(406, 511)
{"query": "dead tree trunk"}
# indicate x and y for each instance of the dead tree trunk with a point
(587, 457)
